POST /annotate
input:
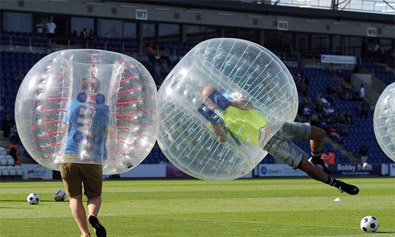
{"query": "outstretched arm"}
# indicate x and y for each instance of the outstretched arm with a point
(63, 128)
(219, 132)
(242, 103)
(110, 132)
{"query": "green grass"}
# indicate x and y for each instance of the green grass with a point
(257, 207)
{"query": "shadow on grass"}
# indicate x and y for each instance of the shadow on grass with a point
(53, 201)
(385, 232)
(13, 208)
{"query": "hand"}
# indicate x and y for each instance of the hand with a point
(219, 132)
(242, 103)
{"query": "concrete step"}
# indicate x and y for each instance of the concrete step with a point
(343, 150)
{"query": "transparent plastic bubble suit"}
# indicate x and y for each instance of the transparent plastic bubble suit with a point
(87, 106)
(384, 121)
(234, 67)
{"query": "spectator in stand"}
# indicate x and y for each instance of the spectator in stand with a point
(301, 65)
(74, 35)
(329, 111)
(331, 157)
(345, 91)
(377, 52)
(51, 27)
(331, 130)
(363, 154)
(331, 70)
(92, 35)
(315, 118)
(357, 69)
(173, 59)
(324, 101)
(114, 32)
(323, 124)
(84, 34)
(333, 90)
(6, 126)
(343, 131)
(306, 97)
(362, 93)
(370, 51)
(330, 120)
(149, 50)
(157, 73)
(354, 92)
(40, 28)
(14, 153)
(344, 118)
(164, 68)
(364, 111)
(349, 118)
(307, 112)
(18, 78)
(14, 137)
(324, 156)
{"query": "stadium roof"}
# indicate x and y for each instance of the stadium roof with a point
(371, 6)
(365, 10)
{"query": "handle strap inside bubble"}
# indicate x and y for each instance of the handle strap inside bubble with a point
(219, 99)
(208, 114)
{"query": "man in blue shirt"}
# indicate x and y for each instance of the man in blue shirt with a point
(86, 125)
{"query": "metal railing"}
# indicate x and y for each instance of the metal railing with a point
(13, 41)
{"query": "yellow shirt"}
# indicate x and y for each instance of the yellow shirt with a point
(245, 124)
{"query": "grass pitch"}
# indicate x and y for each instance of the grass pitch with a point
(257, 207)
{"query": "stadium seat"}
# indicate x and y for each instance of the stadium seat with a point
(3, 152)
(19, 170)
(11, 170)
(3, 160)
(4, 171)
(10, 160)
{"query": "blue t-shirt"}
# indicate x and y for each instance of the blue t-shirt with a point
(91, 117)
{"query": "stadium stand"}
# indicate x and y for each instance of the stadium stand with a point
(21, 50)
(378, 70)
(14, 62)
(8, 169)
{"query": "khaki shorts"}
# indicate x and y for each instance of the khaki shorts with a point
(282, 147)
(76, 174)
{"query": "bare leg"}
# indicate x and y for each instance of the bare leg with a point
(78, 211)
(318, 174)
(317, 139)
(94, 205)
(313, 171)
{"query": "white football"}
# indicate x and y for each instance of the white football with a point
(369, 224)
(33, 199)
(59, 195)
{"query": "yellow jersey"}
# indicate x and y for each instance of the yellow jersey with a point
(245, 124)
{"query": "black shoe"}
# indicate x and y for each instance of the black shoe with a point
(97, 226)
(319, 162)
(348, 188)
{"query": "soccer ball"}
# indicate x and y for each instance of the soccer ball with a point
(59, 195)
(33, 199)
(369, 224)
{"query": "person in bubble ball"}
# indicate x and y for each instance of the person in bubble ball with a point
(239, 119)
(84, 149)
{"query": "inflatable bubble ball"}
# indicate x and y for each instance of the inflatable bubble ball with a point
(87, 106)
(384, 121)
(197, 103)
